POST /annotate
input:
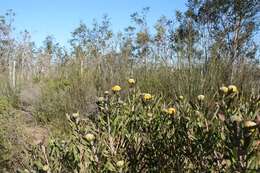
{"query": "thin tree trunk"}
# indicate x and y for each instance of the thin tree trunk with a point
(235, 47)
(13, 74)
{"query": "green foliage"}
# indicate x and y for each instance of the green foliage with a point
(4, 104)
(145, 133)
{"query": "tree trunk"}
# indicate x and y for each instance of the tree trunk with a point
(13, 74)
(235, 47)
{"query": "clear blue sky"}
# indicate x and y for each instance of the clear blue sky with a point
(60, 17)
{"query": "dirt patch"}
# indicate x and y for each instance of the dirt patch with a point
(36, 135)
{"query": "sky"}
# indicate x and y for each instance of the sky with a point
(60, 17)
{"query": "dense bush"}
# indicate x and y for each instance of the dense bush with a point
(144, 133)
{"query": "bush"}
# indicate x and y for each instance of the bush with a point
(4, 104)
(144, 133)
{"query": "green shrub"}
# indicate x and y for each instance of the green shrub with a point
(4, 104)
(144, 133)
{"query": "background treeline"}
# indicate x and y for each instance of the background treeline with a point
(212, 43)
(208, 33)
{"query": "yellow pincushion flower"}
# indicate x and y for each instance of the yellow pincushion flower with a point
(116, 88)
(171, 111)
(131, 81)
(120, 163)
(224, 89)
(147, 97)
(181, 97)
(232, 88)
(89, 137)
(201, 97)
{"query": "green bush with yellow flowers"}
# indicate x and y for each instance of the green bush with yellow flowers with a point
(141, 132)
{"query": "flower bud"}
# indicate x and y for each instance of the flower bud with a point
(120, 163)
(89, 137)
(131, 81)
(249, 124)
(201, 97)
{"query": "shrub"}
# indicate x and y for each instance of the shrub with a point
(142, 132)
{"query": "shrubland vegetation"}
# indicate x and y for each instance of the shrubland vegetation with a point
(180, 97)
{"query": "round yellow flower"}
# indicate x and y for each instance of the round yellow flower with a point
(171, 111)
(224, 89)
(181, 97)
(120, 163)
(131, 81)
(147, 97)
(232, 88)
(89, 137)
(201, 97)
(116, 88)
(249, 124)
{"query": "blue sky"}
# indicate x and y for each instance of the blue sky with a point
(60, 17)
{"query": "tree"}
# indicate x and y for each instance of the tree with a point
(185, 38)
(6, 40)
(161, 40)
(231, 26)
(142, 36)
(24, 55)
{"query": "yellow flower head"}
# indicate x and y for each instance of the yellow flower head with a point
(116, 88)
(223, 89)
(120, 163)
(131, 81)
(181, 97)
(249, 124)
(147, 97)
(232, 88)
(171, 111)
(201, 97)
(89, 137)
